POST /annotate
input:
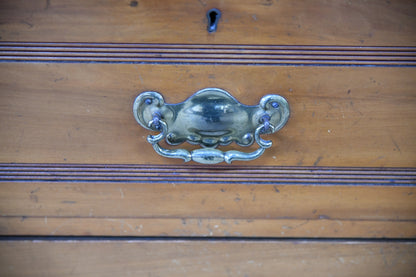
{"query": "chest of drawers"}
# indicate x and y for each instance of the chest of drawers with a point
(82, 192)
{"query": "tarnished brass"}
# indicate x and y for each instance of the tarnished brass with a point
(210, 117)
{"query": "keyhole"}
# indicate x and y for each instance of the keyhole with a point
(213, 16)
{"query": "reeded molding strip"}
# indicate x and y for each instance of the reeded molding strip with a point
(207, 54)
(206, 174)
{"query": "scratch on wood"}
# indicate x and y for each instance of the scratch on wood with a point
(58, 79)
(266, 2)
(34, 198)
(27, 23)
(66, 222)
(354, 108)
(317, 161)
(396, 145)
(48, 3)
(68, 202)
(122, 222)
(139, 75)
(35, 190)
(121, 193)
(301, 224)
(202, 3)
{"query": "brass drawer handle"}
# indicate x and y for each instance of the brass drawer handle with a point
(210, 117)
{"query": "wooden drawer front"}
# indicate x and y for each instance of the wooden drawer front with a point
(283, 22)
(176, 206)
(82, 113)
(206, 258)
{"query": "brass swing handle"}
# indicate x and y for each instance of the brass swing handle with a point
(210, 117)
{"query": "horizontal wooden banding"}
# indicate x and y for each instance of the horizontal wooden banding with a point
(105, 257)
(185, 174)
(207, 54)
(205, 227)
(162, 200)
(282, 22)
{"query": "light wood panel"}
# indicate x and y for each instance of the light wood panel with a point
(53, 110)
(205, 227)
(340, 22)
(81, 113)
(175, 208)
(206, 258)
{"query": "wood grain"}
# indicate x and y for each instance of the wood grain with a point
(75, 163)
(206, 258)
(81, 113)
(205, 227)
(271, 55)
(287, 22)
(184, 207)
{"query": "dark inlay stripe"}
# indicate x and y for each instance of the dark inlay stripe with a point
(206, 174)
(207, 54)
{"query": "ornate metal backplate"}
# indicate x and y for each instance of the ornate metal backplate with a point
(210, 117)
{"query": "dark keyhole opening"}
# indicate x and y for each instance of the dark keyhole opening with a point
(213, 16)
